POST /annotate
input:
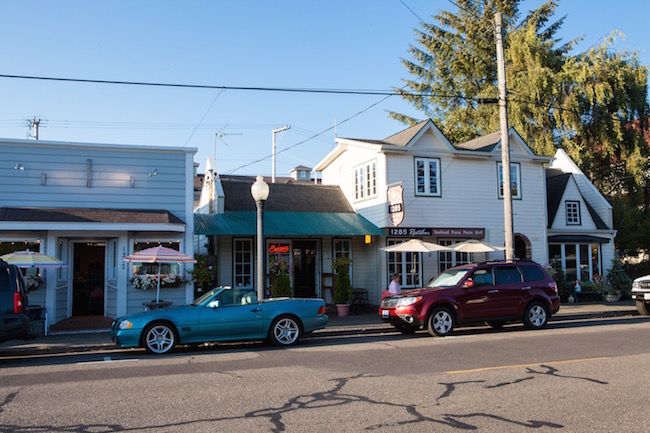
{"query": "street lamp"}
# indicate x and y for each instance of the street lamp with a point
(260, 192)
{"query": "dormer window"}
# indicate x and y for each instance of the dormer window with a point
(572, 212)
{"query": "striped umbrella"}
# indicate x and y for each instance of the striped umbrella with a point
(31, 259)
(159, 255)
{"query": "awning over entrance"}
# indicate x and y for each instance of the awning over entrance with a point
(244, 223)
(577, 239)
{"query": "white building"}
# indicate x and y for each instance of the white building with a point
(450, 193)
(91, 205)
(580, 222)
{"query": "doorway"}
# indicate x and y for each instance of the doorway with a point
(304, 269)
(88, 279)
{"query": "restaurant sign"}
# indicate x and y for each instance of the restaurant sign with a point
(447, 232)
(396, 204)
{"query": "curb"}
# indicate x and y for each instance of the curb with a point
(336, 330)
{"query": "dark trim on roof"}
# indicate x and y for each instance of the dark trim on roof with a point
(89, 215)
(555, 187)
(577, 239)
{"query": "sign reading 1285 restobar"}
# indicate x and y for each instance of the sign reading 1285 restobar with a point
(396, 204)
(442, 232)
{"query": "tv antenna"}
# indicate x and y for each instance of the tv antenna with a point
(219, 136)
(33, 124)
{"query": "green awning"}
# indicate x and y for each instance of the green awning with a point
(244, 223)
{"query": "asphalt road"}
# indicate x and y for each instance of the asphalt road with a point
(578, 376)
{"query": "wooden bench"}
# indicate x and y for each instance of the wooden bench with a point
(587, 294)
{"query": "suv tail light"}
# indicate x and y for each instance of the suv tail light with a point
(18, 303)
(553, 285)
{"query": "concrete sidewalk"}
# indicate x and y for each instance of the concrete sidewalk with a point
(362, 323)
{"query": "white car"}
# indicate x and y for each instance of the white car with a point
(641, 292)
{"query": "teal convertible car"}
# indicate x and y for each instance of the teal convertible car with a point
(222, 314)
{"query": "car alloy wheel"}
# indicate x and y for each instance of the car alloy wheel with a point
(441, 322)
(159, 338)
(536, 316)
(285, 331)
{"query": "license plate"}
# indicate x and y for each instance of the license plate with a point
(385, 313)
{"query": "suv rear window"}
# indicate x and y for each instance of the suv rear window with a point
(5, 280)
(507, 274)
(532, 273)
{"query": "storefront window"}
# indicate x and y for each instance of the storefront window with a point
(243, 262)
(343, 248)
(279, 256)
(571, 262)
(449, 259)
(406, 264)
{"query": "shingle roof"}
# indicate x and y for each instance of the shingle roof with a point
(484, 143)
(73, 215)
(400, 139)
(285, 197)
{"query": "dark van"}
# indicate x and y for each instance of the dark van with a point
(14, 322)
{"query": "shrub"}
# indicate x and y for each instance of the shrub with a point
(343, 288)
(282, 286)
(618, 280)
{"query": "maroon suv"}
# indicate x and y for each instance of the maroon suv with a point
(491, 292)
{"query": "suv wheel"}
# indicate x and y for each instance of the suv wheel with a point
(441, 322)
(536, 315)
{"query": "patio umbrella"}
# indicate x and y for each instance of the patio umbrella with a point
(31, 259)
(475, 246)
(415, 245)
(159, 255)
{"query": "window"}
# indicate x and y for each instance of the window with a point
(531, 273)
(507, 275)
(343, 248)
(427, 177)
(483, 277)
(572, 212)
(243, 263)
(365, 180)
(449, 259)
(515, 180)
(407, 265)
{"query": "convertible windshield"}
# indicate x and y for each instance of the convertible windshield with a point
(448, 278)
(201, 299)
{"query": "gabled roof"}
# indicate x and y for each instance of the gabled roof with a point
(404, 137)
(556, 183)
(292, 209)
(284, 197)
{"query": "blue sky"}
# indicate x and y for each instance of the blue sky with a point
(335, 44)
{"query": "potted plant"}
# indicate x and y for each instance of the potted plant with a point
(342, 287)
(618, 281)
(202, 276)
(281, 286)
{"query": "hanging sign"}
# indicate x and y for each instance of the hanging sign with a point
(396, 204)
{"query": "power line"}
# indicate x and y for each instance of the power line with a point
(367, 92)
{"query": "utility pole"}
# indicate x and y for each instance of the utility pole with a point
(284, 128)
(34, 124)
(505, 145)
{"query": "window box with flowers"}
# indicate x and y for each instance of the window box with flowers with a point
(150, 281)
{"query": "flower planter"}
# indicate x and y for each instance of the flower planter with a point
(343, 310)
(612, 298)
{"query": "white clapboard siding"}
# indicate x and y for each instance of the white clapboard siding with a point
(572, 193)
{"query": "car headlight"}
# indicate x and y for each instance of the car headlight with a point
(636, 284)
(404, 302)
(125, 324)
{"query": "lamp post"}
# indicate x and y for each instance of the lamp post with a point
(260, 192)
